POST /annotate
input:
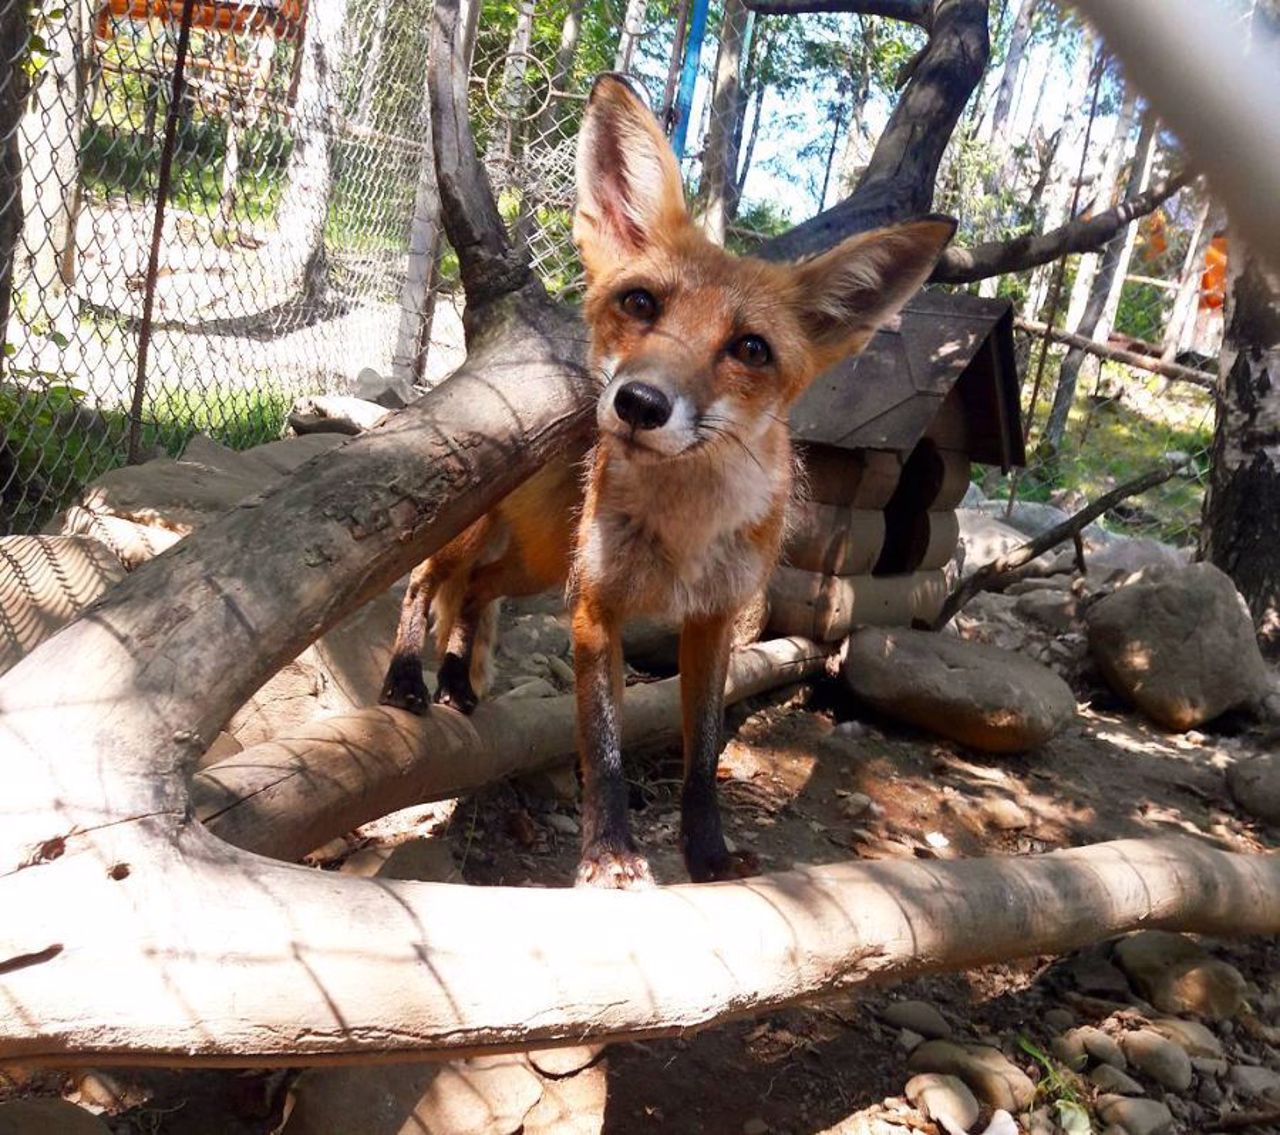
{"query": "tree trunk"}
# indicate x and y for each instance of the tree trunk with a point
(632, 30)
(1094, 323)
(1103, 191)
(1241, 528)
(1013, 62)
(13, 93)
(304, 203)
(372, 61)
(720, 154)
(749, 152)
(515, 91)
(51, 149)
(1182, 316)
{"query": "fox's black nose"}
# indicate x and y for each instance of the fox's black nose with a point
(641, 406)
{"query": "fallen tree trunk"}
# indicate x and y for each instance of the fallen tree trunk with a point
(287, 796)
(169, 964)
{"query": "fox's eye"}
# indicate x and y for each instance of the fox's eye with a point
(751, 350)
(640, 305)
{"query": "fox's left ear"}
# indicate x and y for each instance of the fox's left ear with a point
(850, 291)
(629, 190)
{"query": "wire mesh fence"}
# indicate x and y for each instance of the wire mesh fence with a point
(213, 212)
(295, 242)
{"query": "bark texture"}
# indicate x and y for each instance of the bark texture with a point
(1241, 528)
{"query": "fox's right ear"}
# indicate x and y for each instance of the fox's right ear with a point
(629, 188)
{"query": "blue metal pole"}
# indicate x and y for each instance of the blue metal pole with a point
(689, 75)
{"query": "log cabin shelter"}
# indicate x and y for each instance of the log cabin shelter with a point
(888, 440)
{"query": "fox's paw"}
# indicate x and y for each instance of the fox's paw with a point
(453, 685)
(404, 687)
(613, 869)
(723, 867)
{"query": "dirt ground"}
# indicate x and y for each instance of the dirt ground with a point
(807, 777)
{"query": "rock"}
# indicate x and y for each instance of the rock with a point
(755, 1126)
(1059, 1019)
(1139, 637)
(909, 1041)
(1255, 786)
(561, 672)
(132, 544)
(1097, 977)
(1055, 610)
(290, 453)
(855, 805)
(1068, 1049)
(1124, 555)
(1135, 1116)
(1159, 1058)
(973, 496)
(984, 538)
(1004, 815)
(45, 582)
(1254, 1082)
(1101, 1046)
(531, 688)
(1178, 976)
(1209, 1066)
(370, 386)
(978, 695)
(1002, 1123)
(1031, 518)
(1107, 1078)
(1191, 1036)
(988, 1072)
(48, 1117)
(565, 825)
(945, 1099)
(570, 1105)
(535, 634)
(920, 1017)
(652, 646)
(178, 495)
(564, 1061)
(334, 413)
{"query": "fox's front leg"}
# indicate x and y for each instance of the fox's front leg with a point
(609, 855)
(704, 662)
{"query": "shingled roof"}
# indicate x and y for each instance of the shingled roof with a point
(887, 397)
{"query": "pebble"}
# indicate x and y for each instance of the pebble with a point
(1135, 1116)
(1108, 1078)
(851, 730)
(1159, 1058)
(909, 1041)
(945, 1099)
(1191, 1036)
(755, 1126)
(988, 1072)
(1178, 976)
(1102, 1046)
(565, 825)
(530, 688)
(919, 1017)
(1004, 815)
(1253, 1082)
(854, 805)
(1059, 1019)
(561, 671)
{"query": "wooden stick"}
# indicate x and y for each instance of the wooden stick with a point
(982, 579)
(1175, 371)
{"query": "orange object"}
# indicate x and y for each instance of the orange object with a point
(1213, 281)
(1154, 234)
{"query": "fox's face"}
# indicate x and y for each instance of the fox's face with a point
(699, 348)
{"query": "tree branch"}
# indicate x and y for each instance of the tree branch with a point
(985, 576)
(1084, 234)
(910, 11)
(490, 267)
(899, 180)
(1175, 372)
(287, 796)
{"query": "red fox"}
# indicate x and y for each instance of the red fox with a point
(680, 509)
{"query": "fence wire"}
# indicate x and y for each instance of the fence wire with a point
(298, 242)
(283, 261)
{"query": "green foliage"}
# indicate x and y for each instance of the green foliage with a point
(1058, 1084)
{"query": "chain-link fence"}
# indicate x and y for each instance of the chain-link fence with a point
(295, 243)
(213, 208)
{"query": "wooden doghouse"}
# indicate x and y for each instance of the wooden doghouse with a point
(887, 441)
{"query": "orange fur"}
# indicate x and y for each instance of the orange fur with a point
(700, 354)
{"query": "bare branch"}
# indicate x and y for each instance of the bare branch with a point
(1173, 371)
(490, 267)
(1084, 234)
(899, 180)
(985, 576)
(910, 11)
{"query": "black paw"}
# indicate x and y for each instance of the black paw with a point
(404, 687)
(707, 858)
(453, 685)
